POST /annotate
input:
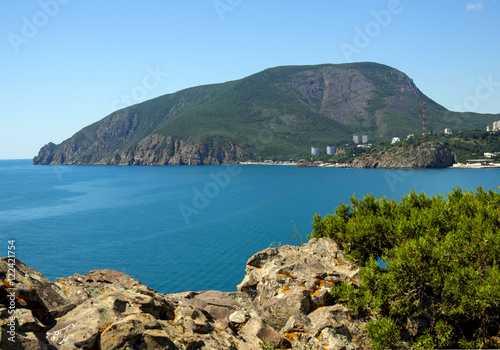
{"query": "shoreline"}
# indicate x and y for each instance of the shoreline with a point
(473, 166)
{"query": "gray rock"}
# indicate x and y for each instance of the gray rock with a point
(239, 317)
(34, 291)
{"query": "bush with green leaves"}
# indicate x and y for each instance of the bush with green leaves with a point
(441, 287)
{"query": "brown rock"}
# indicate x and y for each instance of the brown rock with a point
(129, 331)
(256, 331)
(80, 328)
(34, 291)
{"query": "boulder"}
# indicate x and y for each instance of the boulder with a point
(290, 287)
(33, 291)
(256, 331)
(129, 332)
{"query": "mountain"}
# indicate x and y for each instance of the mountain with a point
(278, 113)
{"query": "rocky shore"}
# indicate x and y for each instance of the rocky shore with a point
(282, 300)
(427, 154)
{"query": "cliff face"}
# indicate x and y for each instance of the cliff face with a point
(282, 299)
(152, 150)
(422, 155)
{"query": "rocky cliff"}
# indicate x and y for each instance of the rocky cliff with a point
(152, 150)
(283, 300)
(426, 154)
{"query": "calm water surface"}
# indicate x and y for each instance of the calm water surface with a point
(183, 228)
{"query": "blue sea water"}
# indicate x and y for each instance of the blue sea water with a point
(184, 228)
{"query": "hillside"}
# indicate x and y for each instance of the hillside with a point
(430, 151)
(277, 113)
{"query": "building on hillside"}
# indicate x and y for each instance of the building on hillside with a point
(409, 135)
(364, 138)
(355, 138)
(395, 139)
(314, 151)
(496, 126)
(330, 150)
(487, 128)
(448, 131)
(491, 154)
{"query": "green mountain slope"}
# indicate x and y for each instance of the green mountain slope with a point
(278, 113)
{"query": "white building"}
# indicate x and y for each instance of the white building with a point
(496, 126)
(314, 151)
(364, 138)
(330, 150)
(395, 139)
(448, 131)
(409, 135)
(355, 138)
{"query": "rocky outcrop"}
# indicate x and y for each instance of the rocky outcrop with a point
(427, 154)
(152, 150)
(283, 300)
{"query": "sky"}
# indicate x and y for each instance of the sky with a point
(65, 64)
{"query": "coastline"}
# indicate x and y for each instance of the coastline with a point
(473, 166)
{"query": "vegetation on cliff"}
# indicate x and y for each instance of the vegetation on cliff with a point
(441, 285)
(414, 151)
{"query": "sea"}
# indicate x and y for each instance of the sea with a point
(184, 228)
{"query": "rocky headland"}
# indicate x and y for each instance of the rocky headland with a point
(426, 154)
(282, 300)
(152, 150)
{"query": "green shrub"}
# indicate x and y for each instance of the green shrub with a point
(383, 333)
(442, 255)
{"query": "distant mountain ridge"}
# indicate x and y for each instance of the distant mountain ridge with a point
(277, 113)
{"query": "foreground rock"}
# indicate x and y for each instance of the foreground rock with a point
(283, 300)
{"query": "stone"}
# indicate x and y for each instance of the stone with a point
(26, 341)
(218, 304)
(329, 316)
(156, 339)
(256, 331)
(80, 328)
(331, 339)
(34, 291)
(128, 331)
(26, 322)
(238, 317)
(193, 319)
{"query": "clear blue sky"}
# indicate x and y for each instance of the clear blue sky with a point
(68, 63)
